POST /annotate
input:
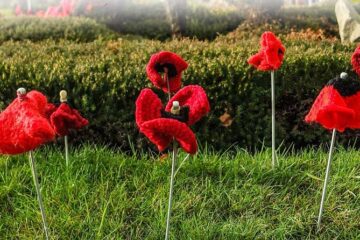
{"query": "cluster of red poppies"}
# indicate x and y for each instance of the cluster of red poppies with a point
(30, 121)
(160, 124)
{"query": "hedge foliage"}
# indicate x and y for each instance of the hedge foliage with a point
(104, 79)
(77, 29)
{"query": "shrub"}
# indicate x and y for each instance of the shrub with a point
(104, 79)
(37, 29)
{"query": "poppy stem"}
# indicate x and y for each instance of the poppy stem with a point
(66, 150)
(39, 197)
(273, 148)
(63, 99)
(166, 78)
(173, 163)
(182, 163)
(327, 176)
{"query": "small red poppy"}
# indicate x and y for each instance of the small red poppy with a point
(355, 60)
(23, 124)
(166, 61)
(337, 106)
(161, 127)
(270, 55)
(193, 97)
(66, 118)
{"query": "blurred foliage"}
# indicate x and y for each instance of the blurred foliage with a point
(151, 20)
(287, 21)
(37, 29)
(204, 20)
(104, 78)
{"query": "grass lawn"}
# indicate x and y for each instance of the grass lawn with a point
(108, 195)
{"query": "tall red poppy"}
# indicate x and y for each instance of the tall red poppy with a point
(355, 60)
(162, 127)
(270, 55)
(337, 106)
(64, 118)
(168, 62)
(23, 124)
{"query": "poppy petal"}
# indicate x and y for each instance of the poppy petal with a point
(355, 60)
(194, 97)
(330, 110)
(162, 131)
(148, 107)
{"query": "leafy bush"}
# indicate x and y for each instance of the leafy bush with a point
(37, 29)
(104, 79)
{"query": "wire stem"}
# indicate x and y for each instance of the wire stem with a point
(327, 177)
(38, 191)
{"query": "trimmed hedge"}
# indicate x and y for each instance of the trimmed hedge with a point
(76, 29)
(104, 79)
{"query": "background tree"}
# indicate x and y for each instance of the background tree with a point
(176, 10)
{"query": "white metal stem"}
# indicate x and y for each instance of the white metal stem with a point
(327, 176)
(173, 164)
(273, 147)
(182, 163)
(66, 151)
(166, 77)
(38, 191)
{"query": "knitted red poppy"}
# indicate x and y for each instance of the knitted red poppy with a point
(66, 118)
(271, 54)
(337, 106)
(162, 127)
(159, 63)
(23, 124)
(355, 60)
(193, 97)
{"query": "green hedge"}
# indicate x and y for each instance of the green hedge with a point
(105, 78)
(37, 29)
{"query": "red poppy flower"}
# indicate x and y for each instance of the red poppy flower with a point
(271, 53)
(337, 106)
(66, 118)
(162, 127)
(166, 61)
(23, 124)
(355, 60)
(195, 98)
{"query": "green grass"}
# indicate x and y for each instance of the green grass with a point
(109, 195)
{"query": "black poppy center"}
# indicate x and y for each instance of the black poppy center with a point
(346, 87)
(280, 52)
(182, 117)
(170, 67)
